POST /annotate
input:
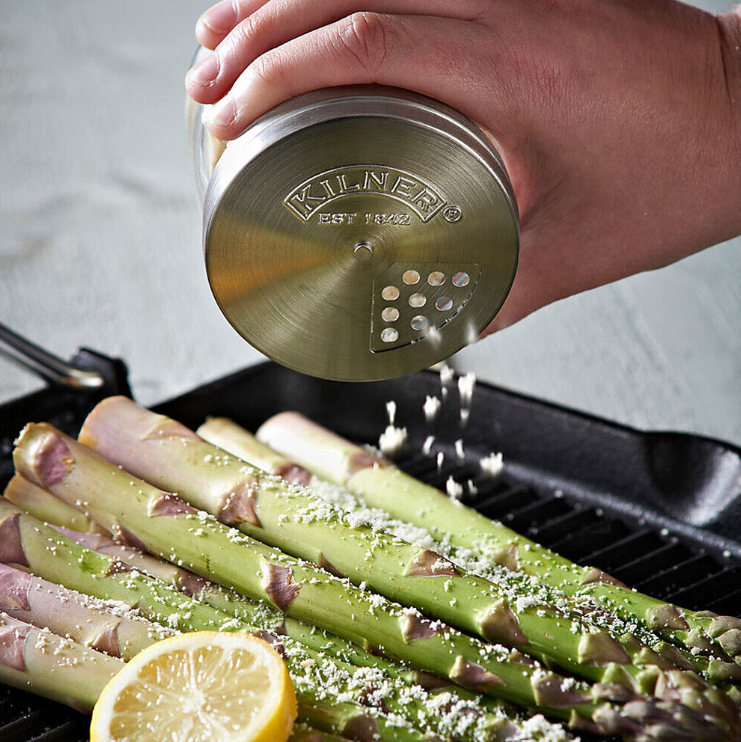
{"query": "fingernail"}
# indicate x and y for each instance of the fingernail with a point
(221, 17)
(206, 71)
(224, 112)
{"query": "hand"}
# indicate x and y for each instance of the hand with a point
(619, 121)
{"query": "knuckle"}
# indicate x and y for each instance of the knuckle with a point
(244, 32)
(367, 37)
(269, 68)
(265, 68)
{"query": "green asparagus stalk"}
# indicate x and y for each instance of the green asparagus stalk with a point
(258, 614)
(50, 509)
(109, 627)
(184, 581)
(85, 620)
(42, 505)
(269, 619)
(37, 660)
(326, 688)
(58, 668)
(234, 439)
(293, 519)
(29, 544)
(170, 528)
(253, 612)
(384, 486)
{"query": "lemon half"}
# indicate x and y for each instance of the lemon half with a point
(204, 686)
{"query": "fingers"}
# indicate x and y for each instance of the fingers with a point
(266, 24)
(214, 25)
(417, 53)
(218, 21)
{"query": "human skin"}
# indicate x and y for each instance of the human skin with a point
(619, 121)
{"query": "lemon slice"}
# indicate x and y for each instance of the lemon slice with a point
(204, 686)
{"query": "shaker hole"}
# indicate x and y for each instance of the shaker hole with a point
(419, 323)
(436, 278)
(417, 300)
(390, 314)
(461, 279)
(390, 293)
(410, 277)
(444, 303)
(389, 335)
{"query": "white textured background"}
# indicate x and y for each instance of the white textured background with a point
(100, 240)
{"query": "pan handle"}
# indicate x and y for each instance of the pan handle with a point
(44, 364)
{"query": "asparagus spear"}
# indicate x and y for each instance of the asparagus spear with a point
(169, 527)
(384, 486)
(234, 439)
(44, 506)
(256, 613)
(293, 519)
(29, 544)
(58, 668)
(270, 619)
(218, 430)
(325, 687)
(107, 626)
(260, 614)
(39, 661)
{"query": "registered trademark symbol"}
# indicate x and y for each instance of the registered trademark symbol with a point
(452, 214)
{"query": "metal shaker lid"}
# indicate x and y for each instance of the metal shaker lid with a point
(360, 233)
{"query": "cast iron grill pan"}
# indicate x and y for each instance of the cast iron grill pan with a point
(659, 511)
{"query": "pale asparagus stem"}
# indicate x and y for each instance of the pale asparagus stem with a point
(164, 452)
(317, 449)
(220, 430)
(38, 661)
(321, 683)
(407, 499)
(42, 505)
(161, 521)
(111, 628)
(28, 543)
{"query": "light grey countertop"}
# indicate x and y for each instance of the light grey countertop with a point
(100, 241)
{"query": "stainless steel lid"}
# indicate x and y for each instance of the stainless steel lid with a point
(360, 233)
